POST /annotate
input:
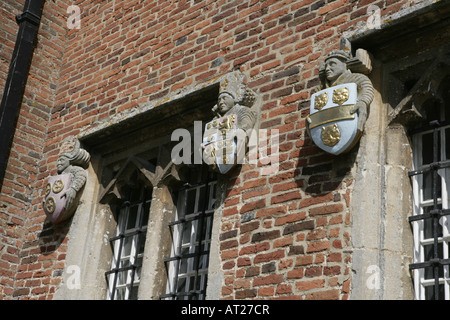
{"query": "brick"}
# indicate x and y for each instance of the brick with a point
(242, 283)
(337, 244)
(244, 294)
(332, 6)
(268, 235)
(250, 249)
(255, 183)
(270, 279)
(228, 244)
(265, 257)
(315, 200)
(327, 209)
(21, 292)
(316, 234)
(296, 250)
(268, 267)
(303, 260)
(228, 265)
(313, 271)
(334, 257)
(334, 270)
(306, 285)
(285, 264)
(286, 197)
(227, 290)
(318, 246)
(252, 271)
(300, 226)
(279, 210)
(284, 289)
(257, 192)
(295, 274)
(283, 242)
(241, 262)
(228, 235)
(285, 186)
(253, 205)
(249, 226)
(324, 295)
(266, 291)
(230, 211)
(293, 217)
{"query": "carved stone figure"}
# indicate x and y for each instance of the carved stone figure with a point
(225, 136)
(228, 103)
(64, 189)
(336, 73)
(339, 111)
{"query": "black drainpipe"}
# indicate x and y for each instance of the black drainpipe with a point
(26, 41)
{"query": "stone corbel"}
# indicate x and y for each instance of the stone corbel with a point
(63, 191)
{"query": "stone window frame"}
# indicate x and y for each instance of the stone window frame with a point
(402, 40)
(421, 77)
(94, 222)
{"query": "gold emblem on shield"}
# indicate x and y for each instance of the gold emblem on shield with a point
(320, 101)
(58, 186)
(48, 189)
(50, 205)
(340, 95)
(331, 135)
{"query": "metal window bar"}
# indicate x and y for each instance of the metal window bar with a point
(436, 213)
(123, 234)
(200, 239)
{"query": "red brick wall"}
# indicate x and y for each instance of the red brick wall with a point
(22, 265)
(8, 233)
(296, 243)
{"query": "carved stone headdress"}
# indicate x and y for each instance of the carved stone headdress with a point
(340, 54)
(240, 93)
(71, 149)
(232, 88)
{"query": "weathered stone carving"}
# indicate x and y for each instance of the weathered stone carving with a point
(339, 111)
(63, 190)
(225, 137)
(231, 102)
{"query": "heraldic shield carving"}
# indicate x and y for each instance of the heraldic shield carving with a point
(225, 137)
(63, 191)
(220, 144)
(332, 125)
(54, 204)
(338, 111)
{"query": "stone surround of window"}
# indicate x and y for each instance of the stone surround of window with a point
(139, 144)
